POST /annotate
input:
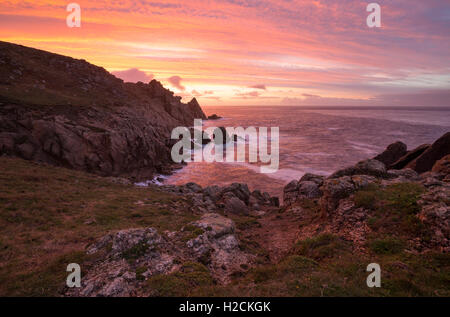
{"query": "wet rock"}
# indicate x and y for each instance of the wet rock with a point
(214, 117)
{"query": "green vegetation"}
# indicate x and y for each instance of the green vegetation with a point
(389, 245)
(321, 246)
(394, 209)
(48, 215)
(190, 278)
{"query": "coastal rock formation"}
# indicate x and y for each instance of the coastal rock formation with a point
(392, 153)
(442, 166)
(214, 117)
(67, 112)
(368, 167)
(435, 152)
(127, 258)
(218, 246)
(307, 187)
(409, 156)
(232, 199)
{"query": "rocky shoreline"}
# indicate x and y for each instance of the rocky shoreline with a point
(318, 205)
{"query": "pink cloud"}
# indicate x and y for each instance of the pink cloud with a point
(133, 75)
(175, 81)
(262, 87)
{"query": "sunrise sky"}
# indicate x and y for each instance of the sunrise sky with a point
(254, 52)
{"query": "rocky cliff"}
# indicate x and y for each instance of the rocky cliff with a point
(70, 113)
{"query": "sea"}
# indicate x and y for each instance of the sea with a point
(316, 140)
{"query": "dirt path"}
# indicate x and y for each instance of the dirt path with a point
(277, 234)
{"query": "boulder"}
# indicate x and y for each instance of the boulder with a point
(214, 117)
(218, 247)
(406, 173)
(409, 156)
(239, 190)
(318, 179)
(334, 190)
(236, 206)
(368, 167)
(392, 153)
(439, 149)
(309, 189)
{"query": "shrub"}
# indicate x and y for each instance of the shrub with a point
(388, 245)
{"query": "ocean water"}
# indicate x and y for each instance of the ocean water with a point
(315, 140)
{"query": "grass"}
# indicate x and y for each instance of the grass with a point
(192, 276)
(49, 214)
(388, 245)
(393, 209)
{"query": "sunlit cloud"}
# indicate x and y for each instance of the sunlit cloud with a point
(302, 50)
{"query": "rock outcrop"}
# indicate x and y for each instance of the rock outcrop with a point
(409, 157)
(392, 153)
(125, 259)
(435, 152)
(67, 112)
(233, 199)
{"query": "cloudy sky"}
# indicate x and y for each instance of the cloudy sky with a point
(254, 52)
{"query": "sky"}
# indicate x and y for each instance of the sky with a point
(254, 52)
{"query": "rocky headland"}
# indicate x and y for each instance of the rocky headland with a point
(67, 112)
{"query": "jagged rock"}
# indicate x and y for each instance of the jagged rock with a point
(218, 247)
(334, 190)
(409, 156)
(119, 254)
(362, 181)
(405, 174)
(239, 190)
(112, 129)
(213, 192)
(235, 206)
(214, 117)
(392, 153)
(193, 187)
(367, 167)
(306, 187)
(318, 179)
(309, 189)
(439, 149)
(124, 240)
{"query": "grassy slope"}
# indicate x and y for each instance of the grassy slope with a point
(48, 215)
